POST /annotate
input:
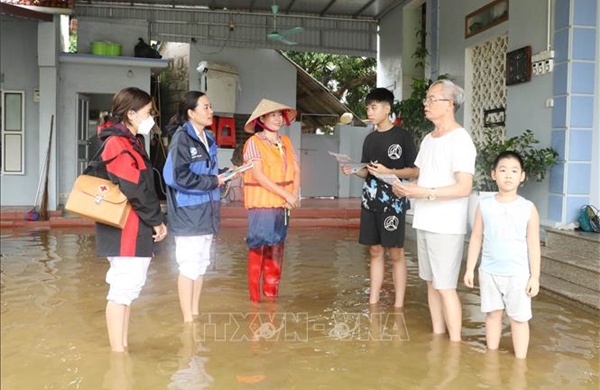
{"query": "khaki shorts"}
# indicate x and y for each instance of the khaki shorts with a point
(508, 293)
(440, 256)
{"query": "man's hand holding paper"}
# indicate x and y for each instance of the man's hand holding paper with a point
(347, 165)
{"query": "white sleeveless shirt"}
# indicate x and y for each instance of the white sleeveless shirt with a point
(505, 236)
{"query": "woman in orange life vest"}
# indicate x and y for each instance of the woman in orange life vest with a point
(270, 192)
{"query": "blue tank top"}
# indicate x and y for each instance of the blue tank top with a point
(505, 236)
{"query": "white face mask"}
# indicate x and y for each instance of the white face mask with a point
(146, 126)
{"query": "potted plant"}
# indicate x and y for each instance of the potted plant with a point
(536, 161)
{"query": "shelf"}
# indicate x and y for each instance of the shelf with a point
(486, 17)
(91, 59)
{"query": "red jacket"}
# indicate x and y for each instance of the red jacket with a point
(132, 171)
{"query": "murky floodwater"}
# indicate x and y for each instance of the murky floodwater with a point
(320, 335)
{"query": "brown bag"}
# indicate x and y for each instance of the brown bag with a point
(100, 200)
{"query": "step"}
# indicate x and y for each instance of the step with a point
(9, 214)
(240, 212)
(568, 242)
(231, 216)
(573, 293)
(300, 222)
(225, 222)
(574, 259)
(575, 269)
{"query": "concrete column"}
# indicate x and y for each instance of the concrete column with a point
(49, 48)
(574, 118)
(398, 41)
(595, 190)
(389, 53)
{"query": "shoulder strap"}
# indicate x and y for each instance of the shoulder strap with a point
(96, 162)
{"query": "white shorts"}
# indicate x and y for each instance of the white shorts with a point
(439, 256)
(505, 292)
(126, 277)
(193, 255)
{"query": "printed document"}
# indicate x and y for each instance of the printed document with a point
(345, 160)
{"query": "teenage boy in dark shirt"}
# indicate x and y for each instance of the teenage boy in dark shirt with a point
(387, 150)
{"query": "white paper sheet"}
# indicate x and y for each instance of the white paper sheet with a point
(345, 160)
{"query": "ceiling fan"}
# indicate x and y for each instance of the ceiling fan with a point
(281, 35)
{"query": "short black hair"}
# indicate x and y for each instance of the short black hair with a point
(380, 95)
(509, 154)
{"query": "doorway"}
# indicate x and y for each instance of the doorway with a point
(90, 108)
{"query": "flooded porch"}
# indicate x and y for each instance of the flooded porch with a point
(320, 334)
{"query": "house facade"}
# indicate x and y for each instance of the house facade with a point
(468, 40)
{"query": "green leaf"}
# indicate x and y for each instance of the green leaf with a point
(536, 161)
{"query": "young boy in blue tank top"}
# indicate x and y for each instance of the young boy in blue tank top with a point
(508, 228)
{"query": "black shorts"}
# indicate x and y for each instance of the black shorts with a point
(385, 229)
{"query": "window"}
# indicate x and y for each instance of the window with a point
(12, 143)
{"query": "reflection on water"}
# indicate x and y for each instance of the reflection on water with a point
(191, 371)
(320, 334)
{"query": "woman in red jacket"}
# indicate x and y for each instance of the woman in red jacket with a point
(129, 250)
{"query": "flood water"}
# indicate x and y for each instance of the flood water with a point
(321, 334)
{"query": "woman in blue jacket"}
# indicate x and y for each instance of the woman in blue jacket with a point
(192, 176)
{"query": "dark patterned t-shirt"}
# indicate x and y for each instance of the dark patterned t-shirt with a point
(394, 149)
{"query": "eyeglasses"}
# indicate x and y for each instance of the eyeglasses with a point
(431, 99)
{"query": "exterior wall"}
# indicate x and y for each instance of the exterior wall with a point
(526, 102)
(274, 79)
(351, 142)
(263, 74)
(526, 109)
(19, 67)
(571, 126)
(86, 78)
(595, 177)
(575, 26)
(116, 31)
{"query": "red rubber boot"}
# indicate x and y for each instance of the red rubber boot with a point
(255, 267)
(272, 271)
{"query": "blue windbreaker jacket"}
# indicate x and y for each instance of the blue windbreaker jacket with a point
(190, 172)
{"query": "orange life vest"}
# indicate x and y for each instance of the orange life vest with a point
(255, 195)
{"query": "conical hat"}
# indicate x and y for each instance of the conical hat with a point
(266, 106)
